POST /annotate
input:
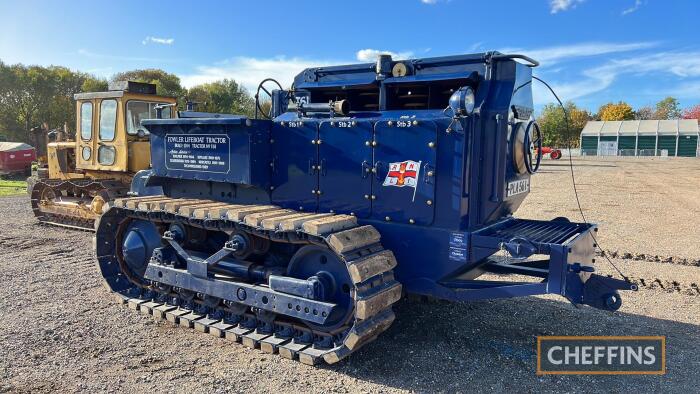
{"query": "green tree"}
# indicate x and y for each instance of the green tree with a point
(225, 96)
(619, 111)
(167, 84)
(94, 85)
(553, 123)
(668, 108)
(33, 95)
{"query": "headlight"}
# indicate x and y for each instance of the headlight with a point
(106, 155)
(462, 101)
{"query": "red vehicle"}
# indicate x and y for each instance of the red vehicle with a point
(554, 154)
(16, 157)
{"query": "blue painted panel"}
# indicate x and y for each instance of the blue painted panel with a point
(404, 161)
(219, 150)
(345, 158)
(293, 154)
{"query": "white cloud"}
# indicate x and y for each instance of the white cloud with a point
(105, 72)
(635, 7)
(682, 65)
(476, 46)
(158, 40)
(589, 84)
(429, 1)
(370, 55)
(249, 71)
(556, 6)
(686, 90)
(551, 55)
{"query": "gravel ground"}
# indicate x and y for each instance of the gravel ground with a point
(642, 205)
(61, 330)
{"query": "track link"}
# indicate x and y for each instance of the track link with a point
(369, 265)
(81, 219)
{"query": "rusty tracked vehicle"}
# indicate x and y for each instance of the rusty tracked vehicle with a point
(81, 174)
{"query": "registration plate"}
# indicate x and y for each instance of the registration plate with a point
(518, 187)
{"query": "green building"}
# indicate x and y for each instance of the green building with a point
(678, 137)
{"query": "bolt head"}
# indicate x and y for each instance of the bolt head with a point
(272, 140)
(354, 123)
(411, 221)
(313, 142)
(374, 143)
(415, 123)
(390, 123)
(374, 197)
(429, 202)
(430, 173)
(388, 219)
(272, 188)
(367, 143)
(332, 124)
(367, 196)
(318, 142)
(281, 123)
(448, 131)
(431, 144)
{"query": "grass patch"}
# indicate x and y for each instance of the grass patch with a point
(12, 188)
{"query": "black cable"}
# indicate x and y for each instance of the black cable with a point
(573, 177)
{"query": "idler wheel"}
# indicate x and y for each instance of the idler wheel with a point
(323, 264)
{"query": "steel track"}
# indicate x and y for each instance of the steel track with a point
(369, 265)
(111, 188)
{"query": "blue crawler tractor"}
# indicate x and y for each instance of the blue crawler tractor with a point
(296, 232)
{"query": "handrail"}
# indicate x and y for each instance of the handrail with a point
(533, 62)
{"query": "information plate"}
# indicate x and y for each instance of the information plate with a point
(197, 152)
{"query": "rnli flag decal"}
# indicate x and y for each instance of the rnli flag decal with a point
(404, 173)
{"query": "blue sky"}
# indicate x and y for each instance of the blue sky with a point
(592, 51)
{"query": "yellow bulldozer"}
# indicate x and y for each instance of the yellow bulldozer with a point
(79, 175)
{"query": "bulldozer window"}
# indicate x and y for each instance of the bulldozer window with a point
(106, 155)
(86, 121)
(108, 119)
(136, 111)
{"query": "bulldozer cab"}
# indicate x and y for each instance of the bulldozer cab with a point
(109, 135)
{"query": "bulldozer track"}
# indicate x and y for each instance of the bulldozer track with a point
(109, 188)
(369, 265)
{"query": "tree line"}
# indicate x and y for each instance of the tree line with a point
(556, 133)
(32, 96)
